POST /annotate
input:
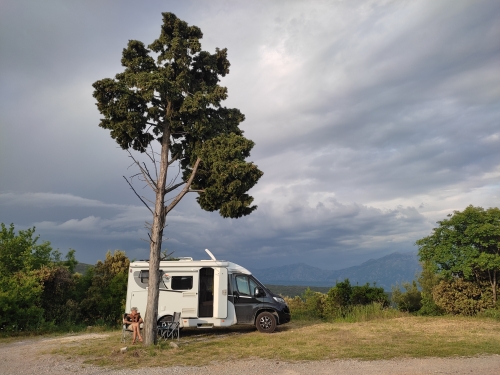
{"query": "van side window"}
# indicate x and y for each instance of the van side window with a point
(144, 276)
(253, 285)
(242, 285)
(182, 282)
(245, 285)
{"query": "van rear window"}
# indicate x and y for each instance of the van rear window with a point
(182, 282)
(144, 276)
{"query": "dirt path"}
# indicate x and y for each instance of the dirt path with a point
(22, 357)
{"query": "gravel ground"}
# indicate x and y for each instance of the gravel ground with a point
(21, 357)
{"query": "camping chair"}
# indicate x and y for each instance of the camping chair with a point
(170, 329)
(126, 331)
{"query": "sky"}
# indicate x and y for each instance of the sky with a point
(372, 120)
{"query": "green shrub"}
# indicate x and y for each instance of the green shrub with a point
(460, 297)
(343, 301)
(408, 301)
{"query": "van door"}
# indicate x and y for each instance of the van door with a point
(206, 293)
(245, 304)
(220, 293)
(186, 298)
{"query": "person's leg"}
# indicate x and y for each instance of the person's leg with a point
(134, 332)
(139, 331)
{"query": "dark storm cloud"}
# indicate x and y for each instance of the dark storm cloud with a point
(371, 119)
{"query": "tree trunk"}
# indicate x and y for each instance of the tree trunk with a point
(151, 316)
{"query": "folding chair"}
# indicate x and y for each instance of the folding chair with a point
(170, 329)
(126, 332)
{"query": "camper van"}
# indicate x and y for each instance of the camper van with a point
(208, 293)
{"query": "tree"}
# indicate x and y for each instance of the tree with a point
(428, 279)
(105, 298)
(24, 268)
(410, 300)
(175, 100)
(466, 246)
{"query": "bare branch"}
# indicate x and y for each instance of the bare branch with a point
(174, 187)
(154, 161)
(174, 179)
(185, 190)
(174, 158)
(196, 191)
(138, 196)
(145, 173)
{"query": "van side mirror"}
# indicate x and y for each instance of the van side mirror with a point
(258, 292)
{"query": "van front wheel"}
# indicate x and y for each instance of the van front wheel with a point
(266, 322)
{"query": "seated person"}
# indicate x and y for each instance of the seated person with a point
(134, 321)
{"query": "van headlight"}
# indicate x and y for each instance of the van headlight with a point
(279, 299)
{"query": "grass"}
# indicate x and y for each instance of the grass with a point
(407, 336)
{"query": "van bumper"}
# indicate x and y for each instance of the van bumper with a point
(284, 315)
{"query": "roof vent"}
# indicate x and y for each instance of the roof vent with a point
(210, 254)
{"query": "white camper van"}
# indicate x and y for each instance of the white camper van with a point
(208, 293)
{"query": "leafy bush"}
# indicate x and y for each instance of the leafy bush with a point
(410, 300)
(340, 302)
(40, 292)
(104, 300)
(460, 297)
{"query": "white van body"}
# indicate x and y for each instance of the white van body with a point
(205, 292)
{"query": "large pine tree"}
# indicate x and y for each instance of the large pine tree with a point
(169, 92)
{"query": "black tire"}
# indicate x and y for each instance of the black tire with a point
(165, 318)
(265, 322)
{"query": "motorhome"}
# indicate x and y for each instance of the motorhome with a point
(208, 293)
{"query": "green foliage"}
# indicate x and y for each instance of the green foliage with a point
(105, 298)
(466, 246)
(427, 280)
(20, 295)
(57, 299)
(340, 302)
(461, 297)
(22, 260)
(39, 292)
(410, 300)
(20, 252)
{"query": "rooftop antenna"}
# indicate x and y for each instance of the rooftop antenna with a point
(210, 254)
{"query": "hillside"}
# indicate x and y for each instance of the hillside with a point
(386, 271)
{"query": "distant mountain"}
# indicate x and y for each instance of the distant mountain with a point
(82, 267)
(386, 271)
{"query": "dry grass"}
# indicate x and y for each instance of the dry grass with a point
(378, 339)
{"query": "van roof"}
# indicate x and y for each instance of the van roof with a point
(189, 263)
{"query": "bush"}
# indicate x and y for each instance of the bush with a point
(408, 301)
(341, 302)
(105, 298)
(460, 297)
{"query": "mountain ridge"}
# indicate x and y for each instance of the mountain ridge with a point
(386, 271)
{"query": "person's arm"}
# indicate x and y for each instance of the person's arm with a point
(140, 319)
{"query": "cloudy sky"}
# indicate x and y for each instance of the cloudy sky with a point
(372, 120)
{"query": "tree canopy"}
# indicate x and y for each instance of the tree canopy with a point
(466, 245)
(169, 94)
